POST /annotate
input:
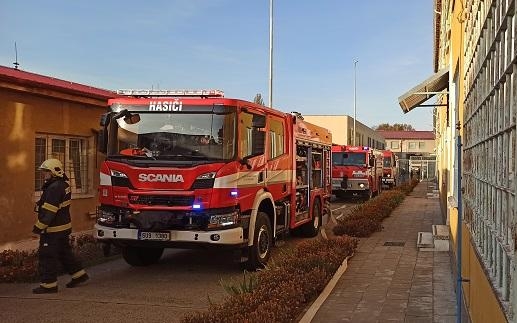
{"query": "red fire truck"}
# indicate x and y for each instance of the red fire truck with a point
(356, 171)
(193, 168)
(389, 173)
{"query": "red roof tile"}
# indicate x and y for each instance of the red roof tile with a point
(423, 135)
(28, 78)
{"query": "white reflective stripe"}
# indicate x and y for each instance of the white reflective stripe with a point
(105, 179)
(250, 178)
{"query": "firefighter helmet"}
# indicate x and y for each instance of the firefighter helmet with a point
(54, 166)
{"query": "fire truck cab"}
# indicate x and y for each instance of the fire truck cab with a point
(193, 168)
(390, 169)
(356, 171)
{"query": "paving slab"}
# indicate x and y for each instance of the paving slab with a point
(389, 279)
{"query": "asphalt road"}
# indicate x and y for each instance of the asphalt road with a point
(182, 282)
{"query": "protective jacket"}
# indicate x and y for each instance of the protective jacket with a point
(53, 208)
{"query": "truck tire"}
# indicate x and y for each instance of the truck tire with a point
(138, 256)
(311, 229)
(259, 253)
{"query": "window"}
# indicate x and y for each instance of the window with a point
(395, 144)
(421, 145)
(72, 152)
(412, 145)
(251, 135)
(276, 138)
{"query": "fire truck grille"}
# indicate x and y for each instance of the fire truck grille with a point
(165, 200)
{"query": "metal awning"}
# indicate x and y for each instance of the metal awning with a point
(425, 90)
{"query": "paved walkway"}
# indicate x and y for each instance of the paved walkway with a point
(396, 283)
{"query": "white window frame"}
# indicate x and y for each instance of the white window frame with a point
(85, 173)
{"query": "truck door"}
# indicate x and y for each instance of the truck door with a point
(252, 141)
(278, 170)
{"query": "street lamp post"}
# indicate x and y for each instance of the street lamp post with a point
(355, 96)
(271, 53)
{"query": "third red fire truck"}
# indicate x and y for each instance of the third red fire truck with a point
(390, 170)
(356, 171)
(193, 168)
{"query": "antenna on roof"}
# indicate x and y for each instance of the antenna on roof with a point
(16, 57)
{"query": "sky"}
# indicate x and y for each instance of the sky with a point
(224, 44)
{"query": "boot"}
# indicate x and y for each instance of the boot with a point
(76, 281)
(44, 290)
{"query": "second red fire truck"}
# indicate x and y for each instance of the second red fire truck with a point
(193, 168)
(356, 171)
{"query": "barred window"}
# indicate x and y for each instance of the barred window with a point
(71, 151)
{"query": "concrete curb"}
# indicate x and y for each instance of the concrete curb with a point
(313, 309)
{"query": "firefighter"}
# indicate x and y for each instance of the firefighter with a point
(54, 228)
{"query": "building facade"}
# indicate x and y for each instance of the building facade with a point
(409, 143)
(475, 82)
(342, 129)
(44, 117)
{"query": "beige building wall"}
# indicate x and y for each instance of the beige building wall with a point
(342, 129)
(424, 147)
(24, 116)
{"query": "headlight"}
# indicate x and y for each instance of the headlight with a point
(222, 220)
(105, 217)
(389, 175)
(116, 173)
(205, 180)
(361, 185)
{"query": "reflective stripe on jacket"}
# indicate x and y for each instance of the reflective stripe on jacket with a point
(54, 207)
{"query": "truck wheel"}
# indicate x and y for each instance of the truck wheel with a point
(138, 256)
(260, 252)
(311, 229)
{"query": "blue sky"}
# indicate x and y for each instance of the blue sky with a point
(224, 44)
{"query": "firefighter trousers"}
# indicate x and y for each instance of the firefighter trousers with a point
(55, 249)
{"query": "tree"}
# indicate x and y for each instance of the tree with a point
(395, 127)
(258, 99)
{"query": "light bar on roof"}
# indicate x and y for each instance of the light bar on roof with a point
(201, 93)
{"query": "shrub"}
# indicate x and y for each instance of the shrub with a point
(285, 287)
(22, 266)
(367, 218)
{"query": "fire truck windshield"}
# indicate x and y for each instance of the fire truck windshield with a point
(387, 162)
(348, 159)
(199, 135)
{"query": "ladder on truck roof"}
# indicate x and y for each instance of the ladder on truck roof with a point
(185, 93)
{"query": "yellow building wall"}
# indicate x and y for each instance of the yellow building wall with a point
(479, 297)
(24, 115)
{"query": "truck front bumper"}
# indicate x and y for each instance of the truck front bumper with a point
(351, 184)
(388, 180)
(233, 236)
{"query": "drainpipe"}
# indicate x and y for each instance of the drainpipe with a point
(459, 294)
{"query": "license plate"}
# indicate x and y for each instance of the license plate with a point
(158, 236)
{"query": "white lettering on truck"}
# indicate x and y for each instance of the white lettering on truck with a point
(164, 178)
(175, 105)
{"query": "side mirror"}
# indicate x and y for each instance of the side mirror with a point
(245, 161)
(105, 119)
(132, 118)
(102, 141)
(371, 161)
(258, 121)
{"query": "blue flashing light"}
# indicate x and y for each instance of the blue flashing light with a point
(196, 206)
(365, 147)
(234, 193)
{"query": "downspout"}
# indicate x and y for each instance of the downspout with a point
(459, 294)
